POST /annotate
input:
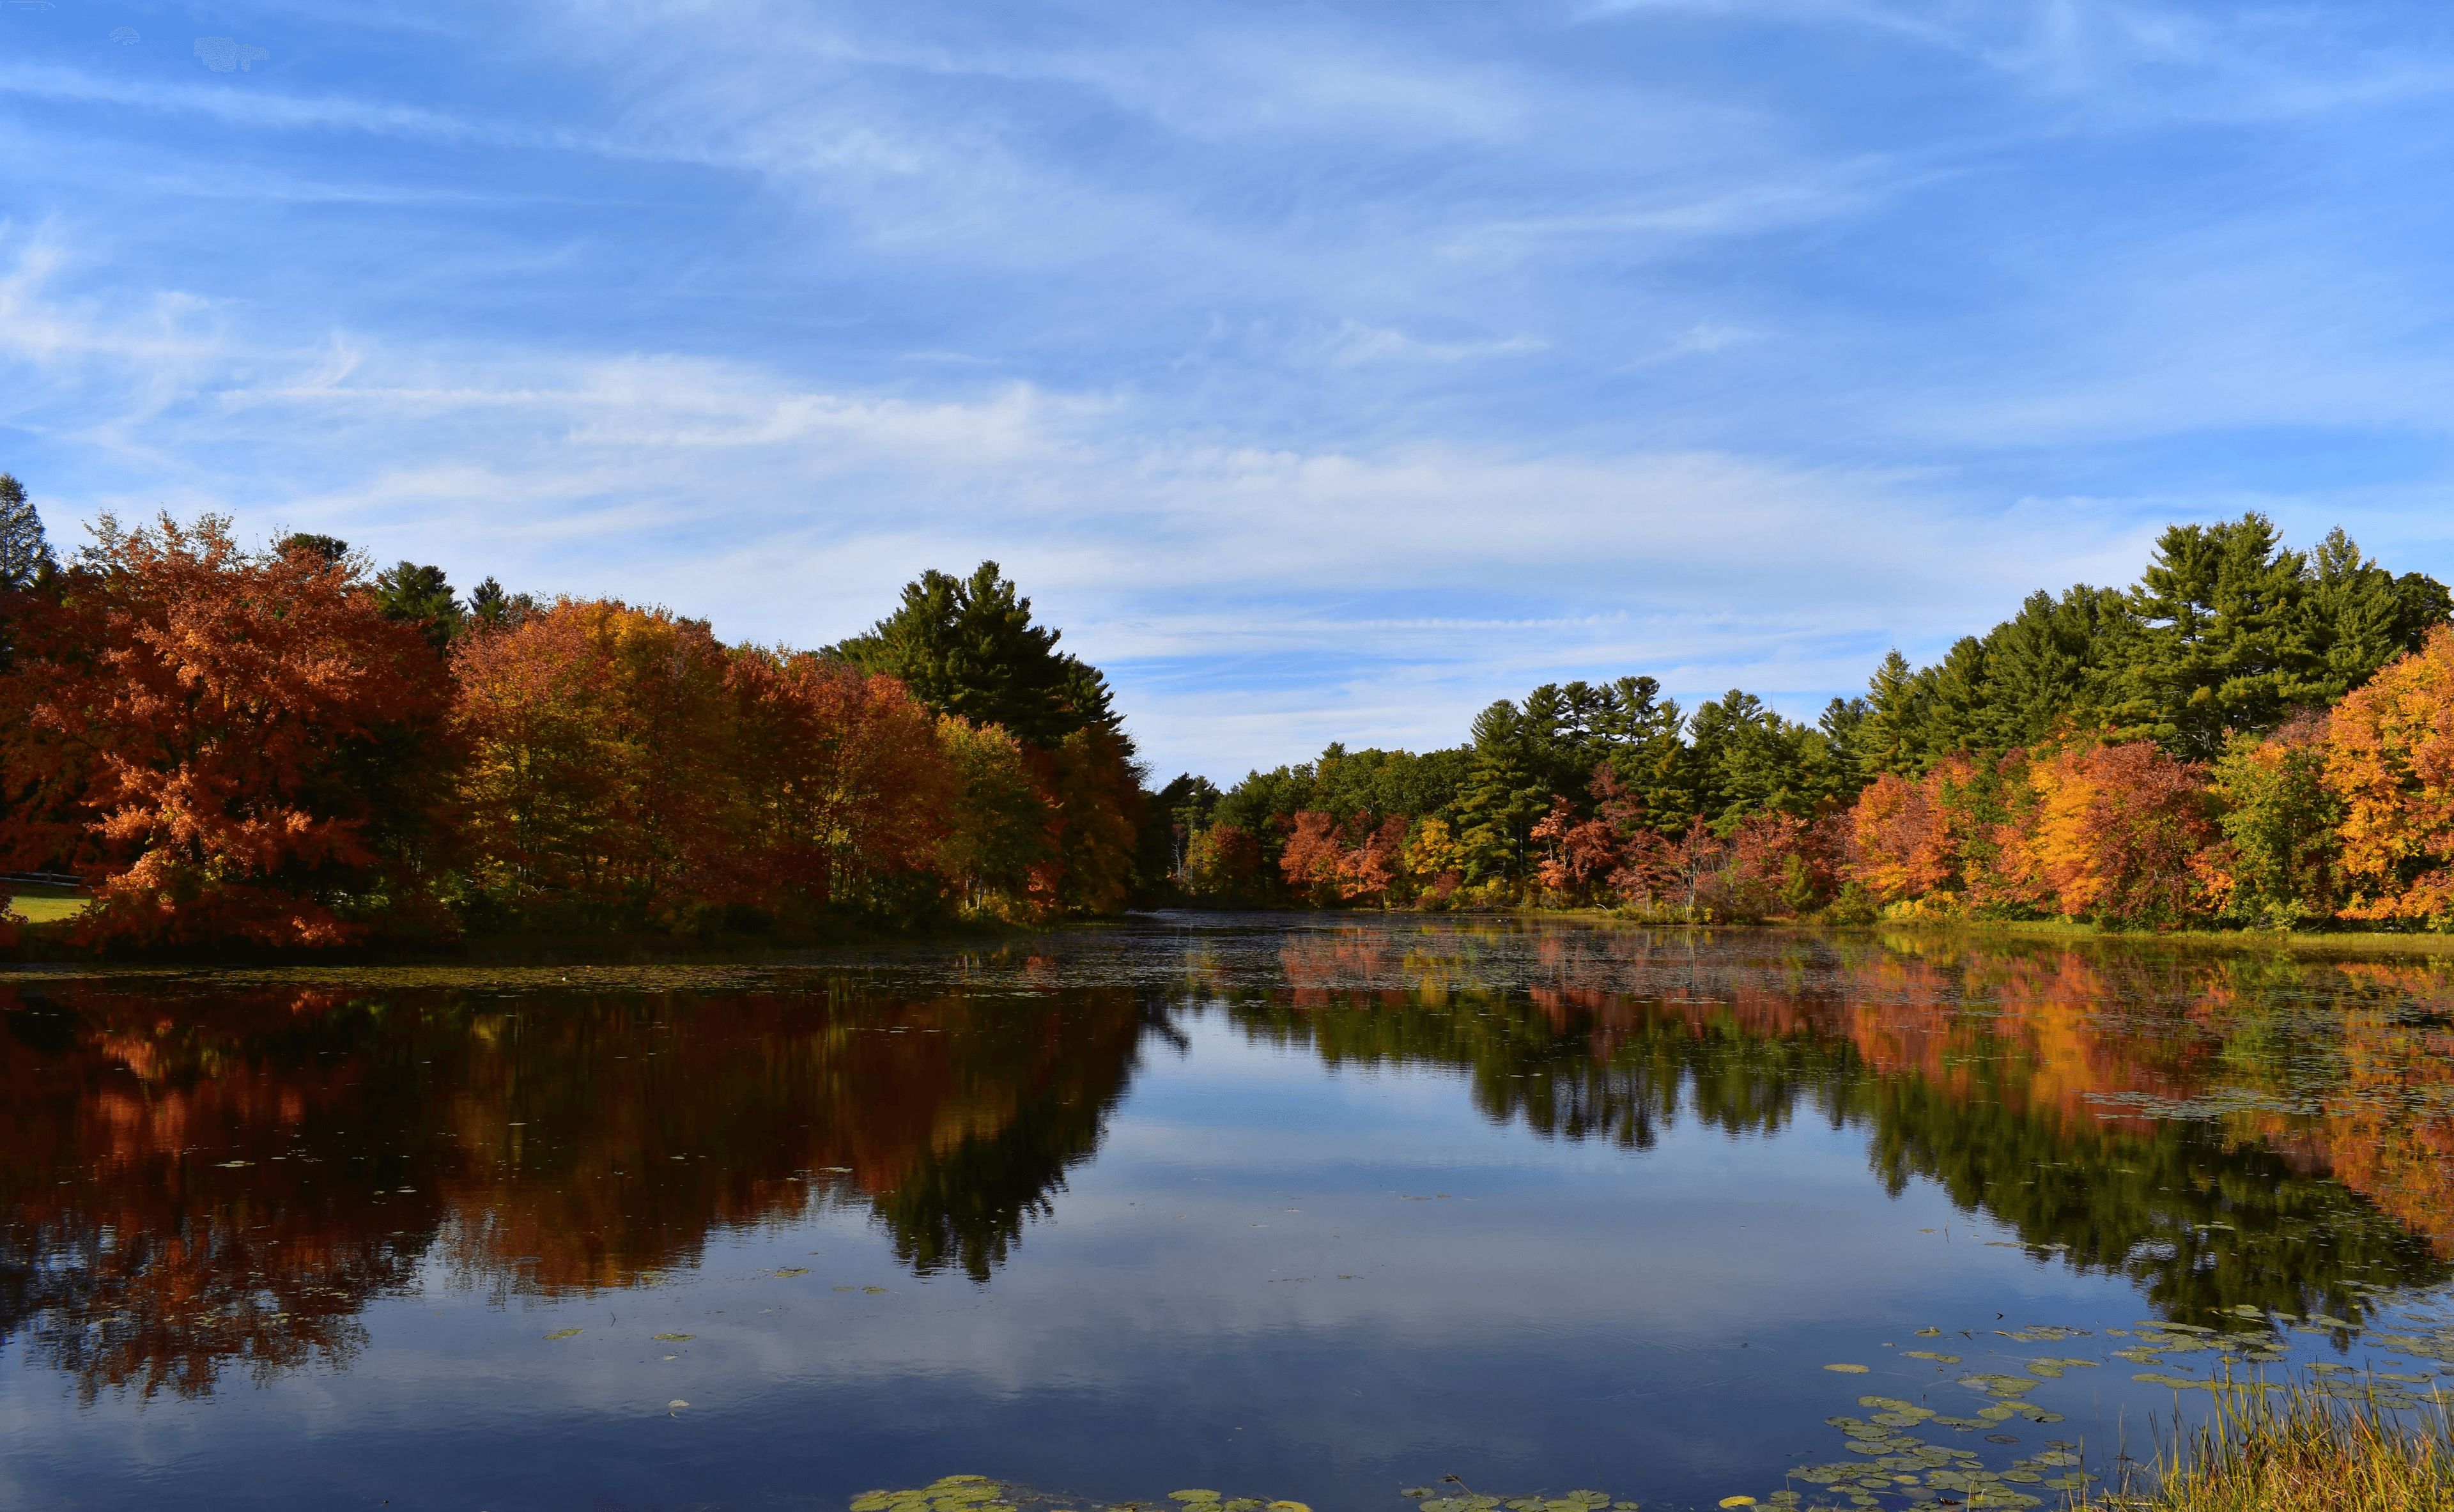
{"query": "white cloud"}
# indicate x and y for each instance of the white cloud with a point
(784, 514)
(1365, 368)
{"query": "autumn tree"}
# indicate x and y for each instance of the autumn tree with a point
(1186, 807)
(1224, 862)
(2389, 761)
(1904, 843)
(2115, 834)
(997, 831)
(1939, 838)
(1095, 799)
(234, 745)
(842, 794)
(1310, 858)
(597, 783)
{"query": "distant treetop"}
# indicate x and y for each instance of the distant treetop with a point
(967, 647)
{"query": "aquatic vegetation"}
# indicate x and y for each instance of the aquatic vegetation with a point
(978, 1493)
(2306, 1451)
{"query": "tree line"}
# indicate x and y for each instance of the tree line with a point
(2250, 735)
(285, 747)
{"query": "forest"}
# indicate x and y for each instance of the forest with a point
(2250, 735)
(285, 747)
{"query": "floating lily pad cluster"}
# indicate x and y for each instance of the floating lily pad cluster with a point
(1469, 1501)
(953, 1493)
(1213, 1502)
(977, 1493)
(1895, 1462)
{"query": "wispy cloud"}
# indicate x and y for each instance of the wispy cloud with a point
(1327, 372)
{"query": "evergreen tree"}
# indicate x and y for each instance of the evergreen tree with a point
(1892, 736)
(1506, 789)
(25, 555)
(330, 548)
(2048, 663)
(421, 597)
(967, 647)
(2220, 641)
(2361, 617)
(1751, 760)
(491, 606)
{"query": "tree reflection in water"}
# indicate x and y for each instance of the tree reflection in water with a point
(2225, 1131)
(198, 1181)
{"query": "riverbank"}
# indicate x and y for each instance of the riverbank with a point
(43, 941)
(2313, 944)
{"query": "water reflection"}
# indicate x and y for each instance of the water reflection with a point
(2066, 1090)
(202, 1181)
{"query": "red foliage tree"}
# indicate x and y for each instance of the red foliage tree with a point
(233, 745)
(840, 792)
(2116, 833)
(1579, 855)
(1309, 860)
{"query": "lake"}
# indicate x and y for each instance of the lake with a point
(1317, 1207)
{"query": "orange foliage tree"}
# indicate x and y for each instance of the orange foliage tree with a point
(232, 745)
(2116, 835)
(1328, 861)
(1938, 839)
(2389, 758)
(599, 742)
(1903, 847)
(1579, 855)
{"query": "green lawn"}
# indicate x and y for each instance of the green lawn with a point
(45, 905)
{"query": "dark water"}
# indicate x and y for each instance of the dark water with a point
(1313, 1208)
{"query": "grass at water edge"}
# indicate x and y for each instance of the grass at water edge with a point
(2303, 1453)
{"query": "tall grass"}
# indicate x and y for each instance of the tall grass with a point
(2304, 1452)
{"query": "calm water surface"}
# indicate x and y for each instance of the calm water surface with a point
(1310, 1208)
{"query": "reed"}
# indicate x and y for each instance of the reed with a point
(2298, 1451)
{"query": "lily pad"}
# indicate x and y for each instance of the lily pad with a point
(562, 1333)
(1848, 1370)
(671, 1339)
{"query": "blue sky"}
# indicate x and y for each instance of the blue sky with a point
(1325, 370)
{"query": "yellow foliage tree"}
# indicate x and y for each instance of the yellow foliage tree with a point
(2390, 760)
